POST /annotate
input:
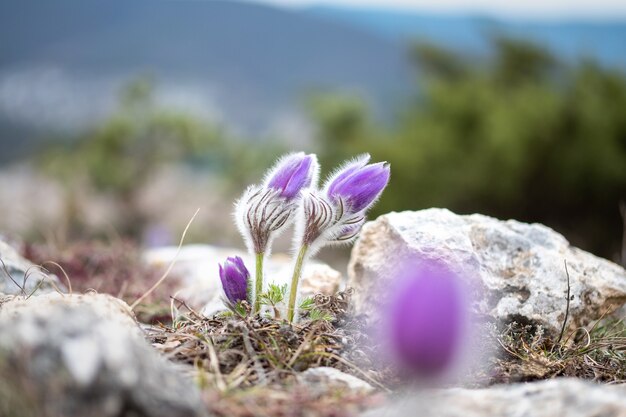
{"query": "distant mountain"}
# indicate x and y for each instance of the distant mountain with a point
(247, 65)
(605, 41)
(62, 61)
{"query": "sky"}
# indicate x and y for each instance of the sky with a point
(550, 9)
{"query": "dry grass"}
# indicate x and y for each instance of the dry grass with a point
(248, 366)
(242, 352)
(598, 355)
(112, 268)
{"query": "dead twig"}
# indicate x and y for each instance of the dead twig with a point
(253, 356)
(171, 265)
(558, 342)
(622, 211)
(6, 271)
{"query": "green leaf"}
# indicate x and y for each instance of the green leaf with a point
(274, 294)
(240, 309)
(307, 304)
(316, 314)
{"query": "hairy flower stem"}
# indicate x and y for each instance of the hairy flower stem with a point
(258, 282)
(297, 272)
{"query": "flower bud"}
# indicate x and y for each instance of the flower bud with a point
(426, 318)
(359, 185)
(292, 173)
(265, 210)
(235, 277)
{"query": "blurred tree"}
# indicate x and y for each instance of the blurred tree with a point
(432, 60)
(519, 62)
(342, 123)
(518, 135)
(119, 156)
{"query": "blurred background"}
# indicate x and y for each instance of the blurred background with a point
(121, 117)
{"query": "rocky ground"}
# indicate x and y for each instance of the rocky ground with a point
(72, 346)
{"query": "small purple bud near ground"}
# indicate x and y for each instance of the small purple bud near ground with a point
(234, 276)
(426, 319)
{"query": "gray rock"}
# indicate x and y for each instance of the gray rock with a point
(327, 380)
(20, 276)
(84, 355)
(518, 268)
(557, 397)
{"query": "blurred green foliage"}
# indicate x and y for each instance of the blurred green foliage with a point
(119, 156)
(342, 126)
(516, 135)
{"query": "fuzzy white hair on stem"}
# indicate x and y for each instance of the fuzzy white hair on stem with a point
(320, 222)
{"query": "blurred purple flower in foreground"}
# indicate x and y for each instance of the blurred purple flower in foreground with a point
(427, 318)
(235, 276)
(292, 173)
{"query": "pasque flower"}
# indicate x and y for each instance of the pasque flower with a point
(426, 317)
(331, 215)
(265, 210)
(293, 173)
(359, 185)
(336, 213)
(235, 277)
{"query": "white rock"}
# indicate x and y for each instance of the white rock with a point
(84, 355)
(82, 359)
(330, 379)
(197, 267)
(518, 266)
(563, 397)
(104, 305)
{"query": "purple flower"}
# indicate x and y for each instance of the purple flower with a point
(358, 184)
(264, 210)
(235, 276)
(426, 318)
(292, 173)
(335, 214)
